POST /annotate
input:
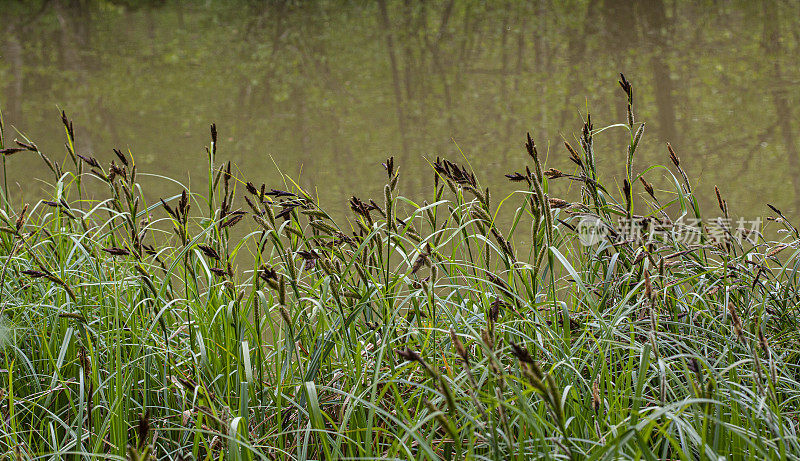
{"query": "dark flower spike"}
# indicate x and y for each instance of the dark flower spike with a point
(626, 87)
(31, 147)
(114, 251)
(720, 202)
(11, 150)
(208, 251)
(21, 218)
(121, 157)
(68, 125)
(374, 206)
(495, 308)
(530, 146)
(596, 397)
(168, 209)
(309, 258)
(233, 220)
(217, 271)
(588, 127)
(287, 211)
(573, 155)
(458, 174)
(143, 429)
(115, 169)
(409, 355)
(521, 353)
(360, 207)
(648, 187)
(305, 254)
(389, 165)
(553, 173)
(183, 204)
(516, 177)
(459, 346)
(422, 259)
(268, 273)
(280, 193)
(672, 156)
(91, 161)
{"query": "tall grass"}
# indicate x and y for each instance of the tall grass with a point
(242, 322)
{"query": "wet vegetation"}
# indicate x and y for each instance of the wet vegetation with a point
(238, 320)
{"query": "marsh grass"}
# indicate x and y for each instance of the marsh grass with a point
(242, 322)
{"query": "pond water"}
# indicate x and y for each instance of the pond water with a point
(325, 91)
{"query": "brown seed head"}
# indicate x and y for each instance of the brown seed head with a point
(626, 87)
(21, 218)
(720, 202)
(521, 353)
(409, 355)
(737, 323)
(595, 397)
(29, 146)
(11, 150)
(121, 157)
(208, 251)
(573, 155)
(143, 428)
(460, 349)
(672, 155)
(114, 251)
(762, 340)
(648, 187)
(285, 314)
(553, 173)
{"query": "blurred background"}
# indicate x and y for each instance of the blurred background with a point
(324, 91)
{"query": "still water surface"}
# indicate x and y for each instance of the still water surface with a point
(324, 91)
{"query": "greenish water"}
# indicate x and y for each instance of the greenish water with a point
(326, 90)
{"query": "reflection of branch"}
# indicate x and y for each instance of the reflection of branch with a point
(751, 153)
(433, 47)
(772, 45)
(479, 70)
(395, 76)
(768, 131)
(465, 53)
(29, 22)
(443, 24)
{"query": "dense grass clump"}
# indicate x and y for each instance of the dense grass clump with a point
(243, 322)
